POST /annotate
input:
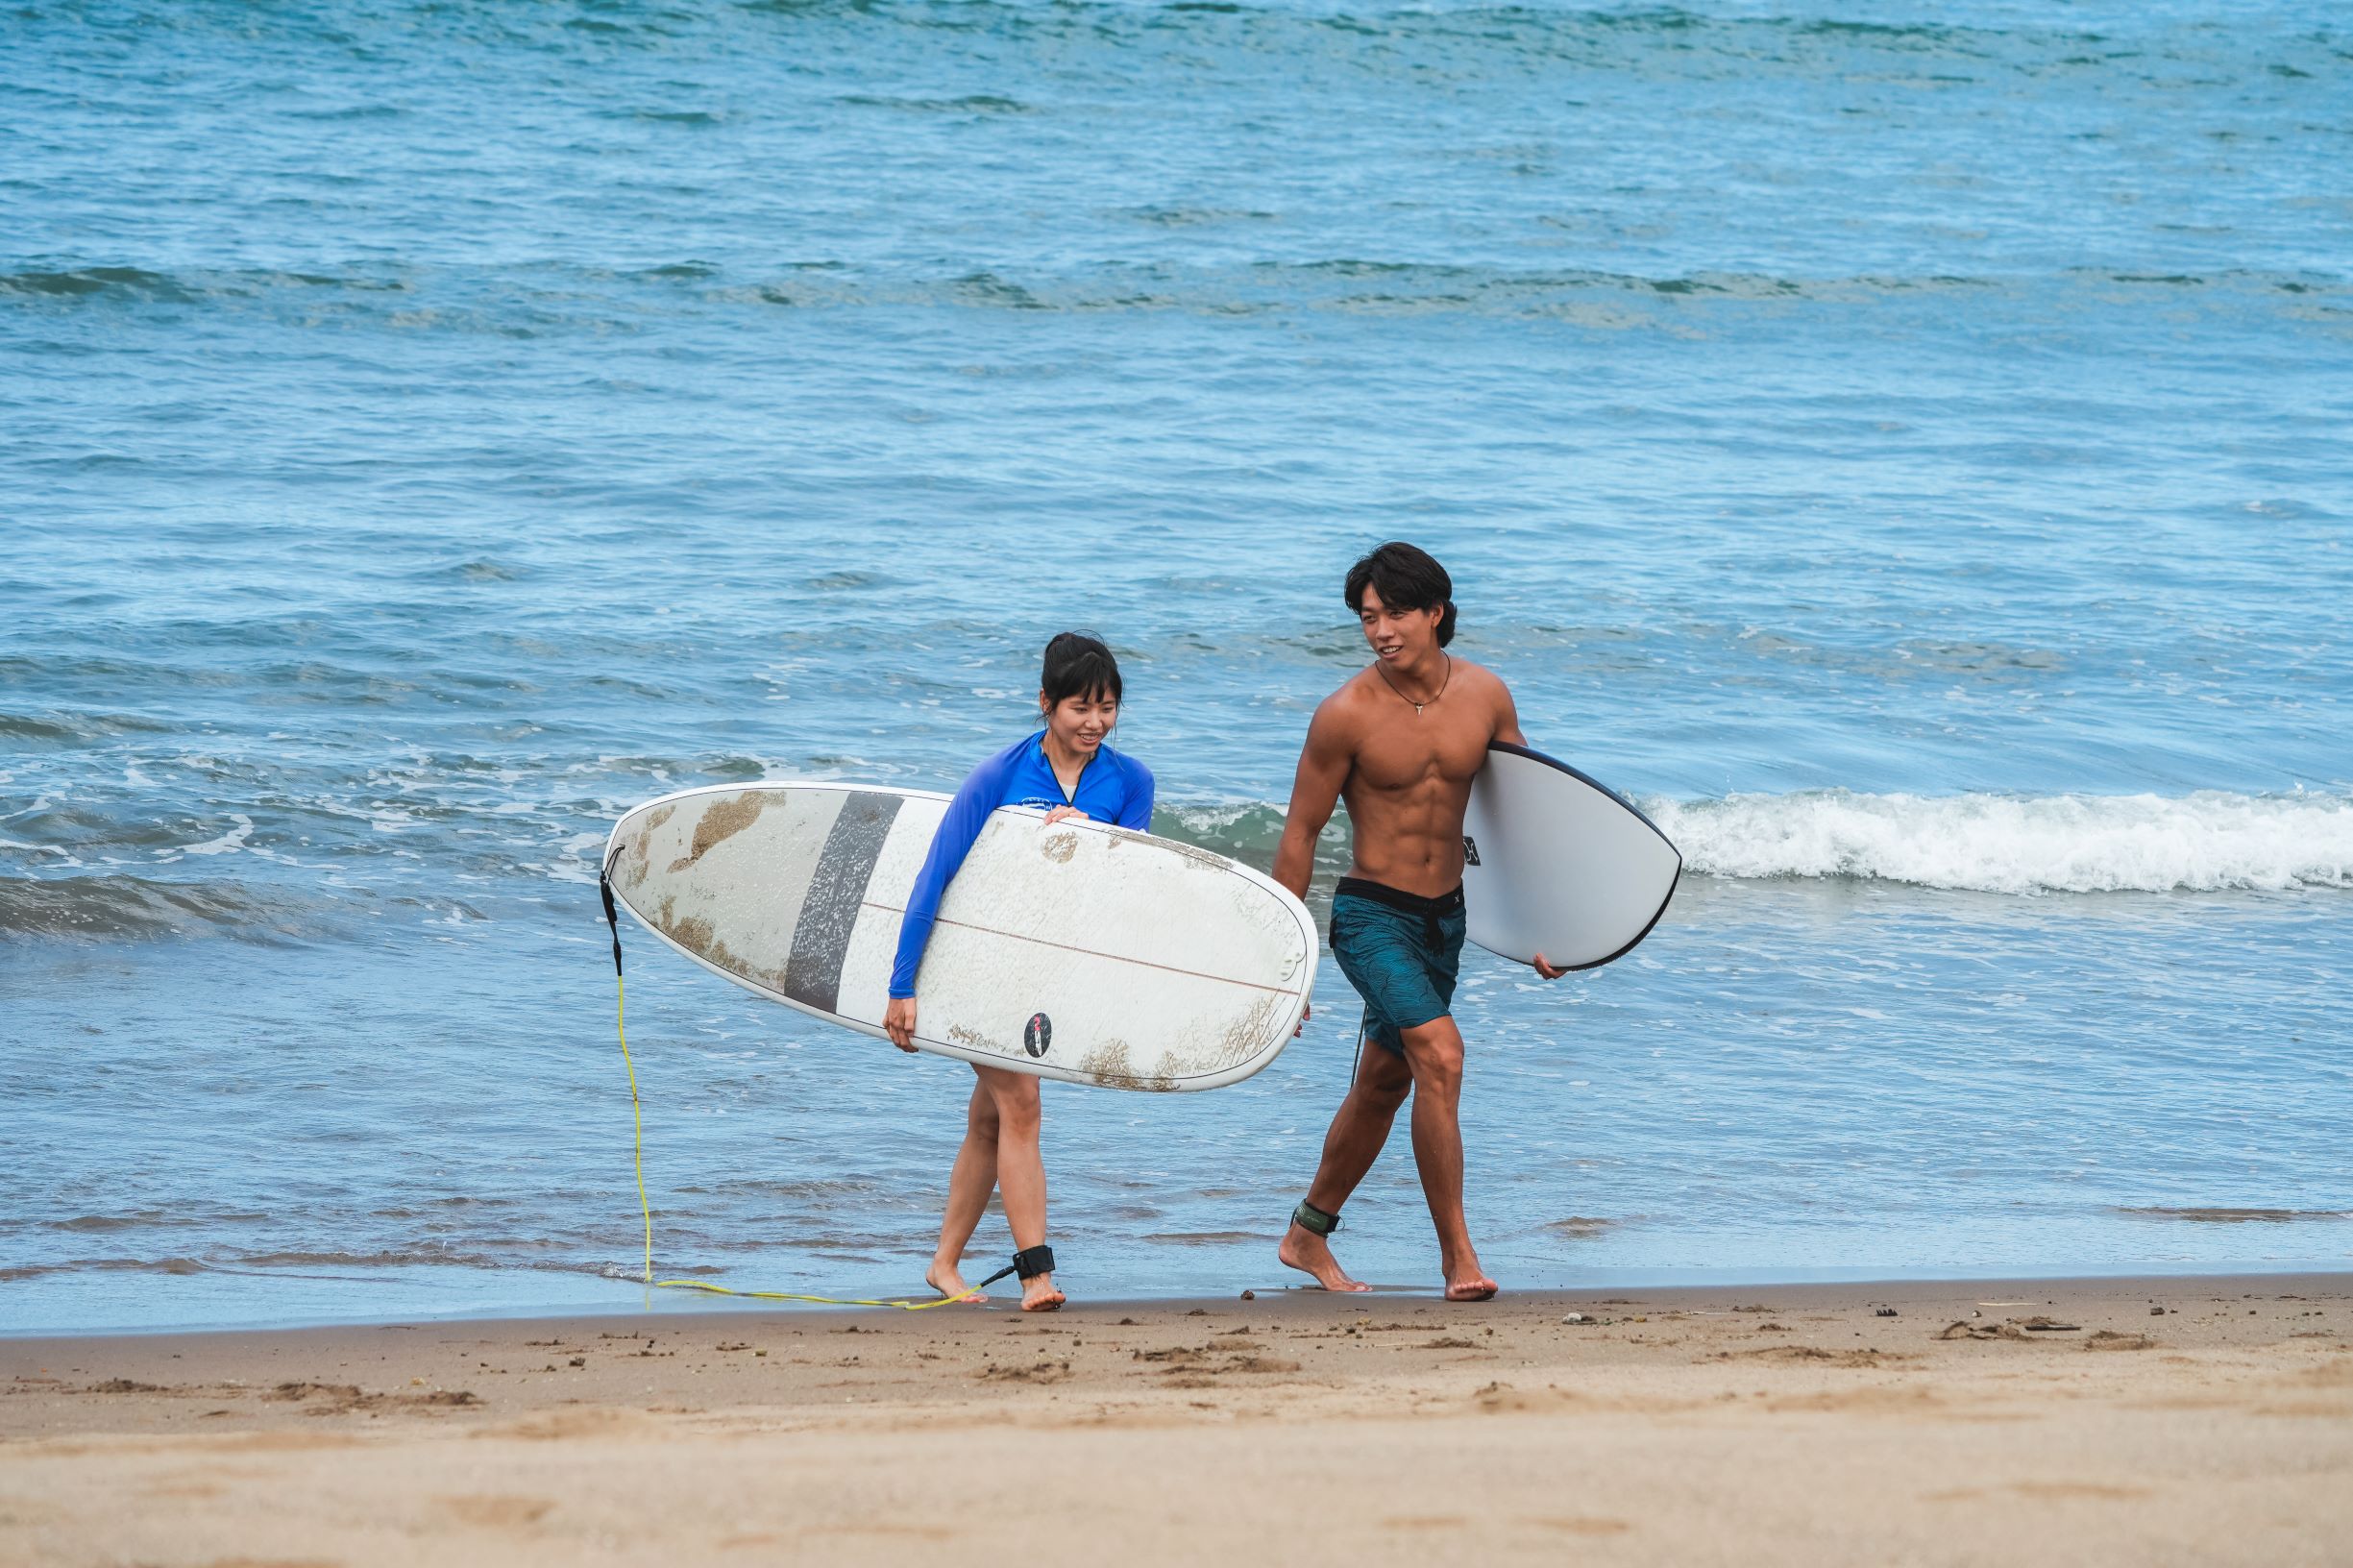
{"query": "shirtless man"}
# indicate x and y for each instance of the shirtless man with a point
(1399, 743)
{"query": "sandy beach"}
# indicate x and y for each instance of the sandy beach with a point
(2130, 1422)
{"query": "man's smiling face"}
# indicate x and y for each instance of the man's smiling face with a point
(1396, 636)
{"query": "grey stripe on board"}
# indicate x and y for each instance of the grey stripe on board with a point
(829, 914)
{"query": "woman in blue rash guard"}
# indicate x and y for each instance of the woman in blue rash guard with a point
(1067, 769)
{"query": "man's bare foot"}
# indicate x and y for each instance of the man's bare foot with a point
(1304, 1250)
(1039, 1295)
(1469, 1282)
(948, 1281)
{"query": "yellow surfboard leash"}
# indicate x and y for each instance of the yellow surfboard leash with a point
(645, 1209)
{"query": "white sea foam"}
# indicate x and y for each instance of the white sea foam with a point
(2021, 843)
(228, 843)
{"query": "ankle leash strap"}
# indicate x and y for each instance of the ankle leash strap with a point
(1308, 1217)
(1029, 1262)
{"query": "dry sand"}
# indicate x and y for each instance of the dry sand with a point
(1759, 1425)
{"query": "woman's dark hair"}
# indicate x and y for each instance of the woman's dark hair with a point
(1405, 578)
(1078, 665)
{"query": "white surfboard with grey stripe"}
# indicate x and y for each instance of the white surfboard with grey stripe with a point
(1080, 951)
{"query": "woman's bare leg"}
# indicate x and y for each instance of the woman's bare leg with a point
(1020, 1173)
(969, 1185)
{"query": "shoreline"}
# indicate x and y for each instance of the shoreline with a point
(696, 1306)
(692, 1312)
(2154, 1419)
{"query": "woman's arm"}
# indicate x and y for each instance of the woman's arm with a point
(966, 815)
(1136, 811)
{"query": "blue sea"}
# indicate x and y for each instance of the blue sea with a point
(1901, 446)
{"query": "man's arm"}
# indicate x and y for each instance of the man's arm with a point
(1507, 716)
(1315, 789)
(1508, 731)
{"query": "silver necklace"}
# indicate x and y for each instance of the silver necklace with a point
(1444, 682)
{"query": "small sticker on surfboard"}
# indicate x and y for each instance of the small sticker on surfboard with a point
(1470, 850)
(1039, 1035)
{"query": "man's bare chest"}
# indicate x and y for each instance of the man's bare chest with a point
(1420, 754)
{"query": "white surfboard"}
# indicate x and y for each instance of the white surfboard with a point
(1558, 862)
(1080, 951)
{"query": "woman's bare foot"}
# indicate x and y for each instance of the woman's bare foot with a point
(948, 1281)
(1468, 1281)
(1039, 1295)
(1304, 1250)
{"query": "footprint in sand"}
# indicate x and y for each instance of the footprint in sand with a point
(1582, 1525)
(2055, 1491)
(503, 1513)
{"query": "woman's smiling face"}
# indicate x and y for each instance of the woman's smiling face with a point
(1078, 723)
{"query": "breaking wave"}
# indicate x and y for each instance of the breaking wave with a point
(2207, 842)
(2203, 843)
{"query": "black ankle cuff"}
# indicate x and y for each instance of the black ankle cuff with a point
(1308, 1217)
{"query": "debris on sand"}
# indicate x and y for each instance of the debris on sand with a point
(1039, 1372)
(2011, 1328)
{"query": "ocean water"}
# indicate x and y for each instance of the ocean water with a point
(1903, 446)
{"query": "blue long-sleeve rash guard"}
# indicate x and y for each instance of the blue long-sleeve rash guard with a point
(1112, 788)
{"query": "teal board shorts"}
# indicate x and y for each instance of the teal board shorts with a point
(1401, 951)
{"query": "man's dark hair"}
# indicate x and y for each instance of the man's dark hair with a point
(1405, 578)
(1078, 665)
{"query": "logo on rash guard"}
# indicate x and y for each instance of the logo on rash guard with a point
(1039, 1035)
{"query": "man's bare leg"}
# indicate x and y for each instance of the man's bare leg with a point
(1433, 1052)
(1020, 1174)
(1359, 1130)
(969, 1185)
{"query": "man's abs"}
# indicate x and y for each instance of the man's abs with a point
(1407, 793)
(1411, 840)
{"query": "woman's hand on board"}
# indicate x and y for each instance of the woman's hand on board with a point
(898, 1022)
(1060, 812)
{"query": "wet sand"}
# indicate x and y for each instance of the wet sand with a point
(2043, 1422)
